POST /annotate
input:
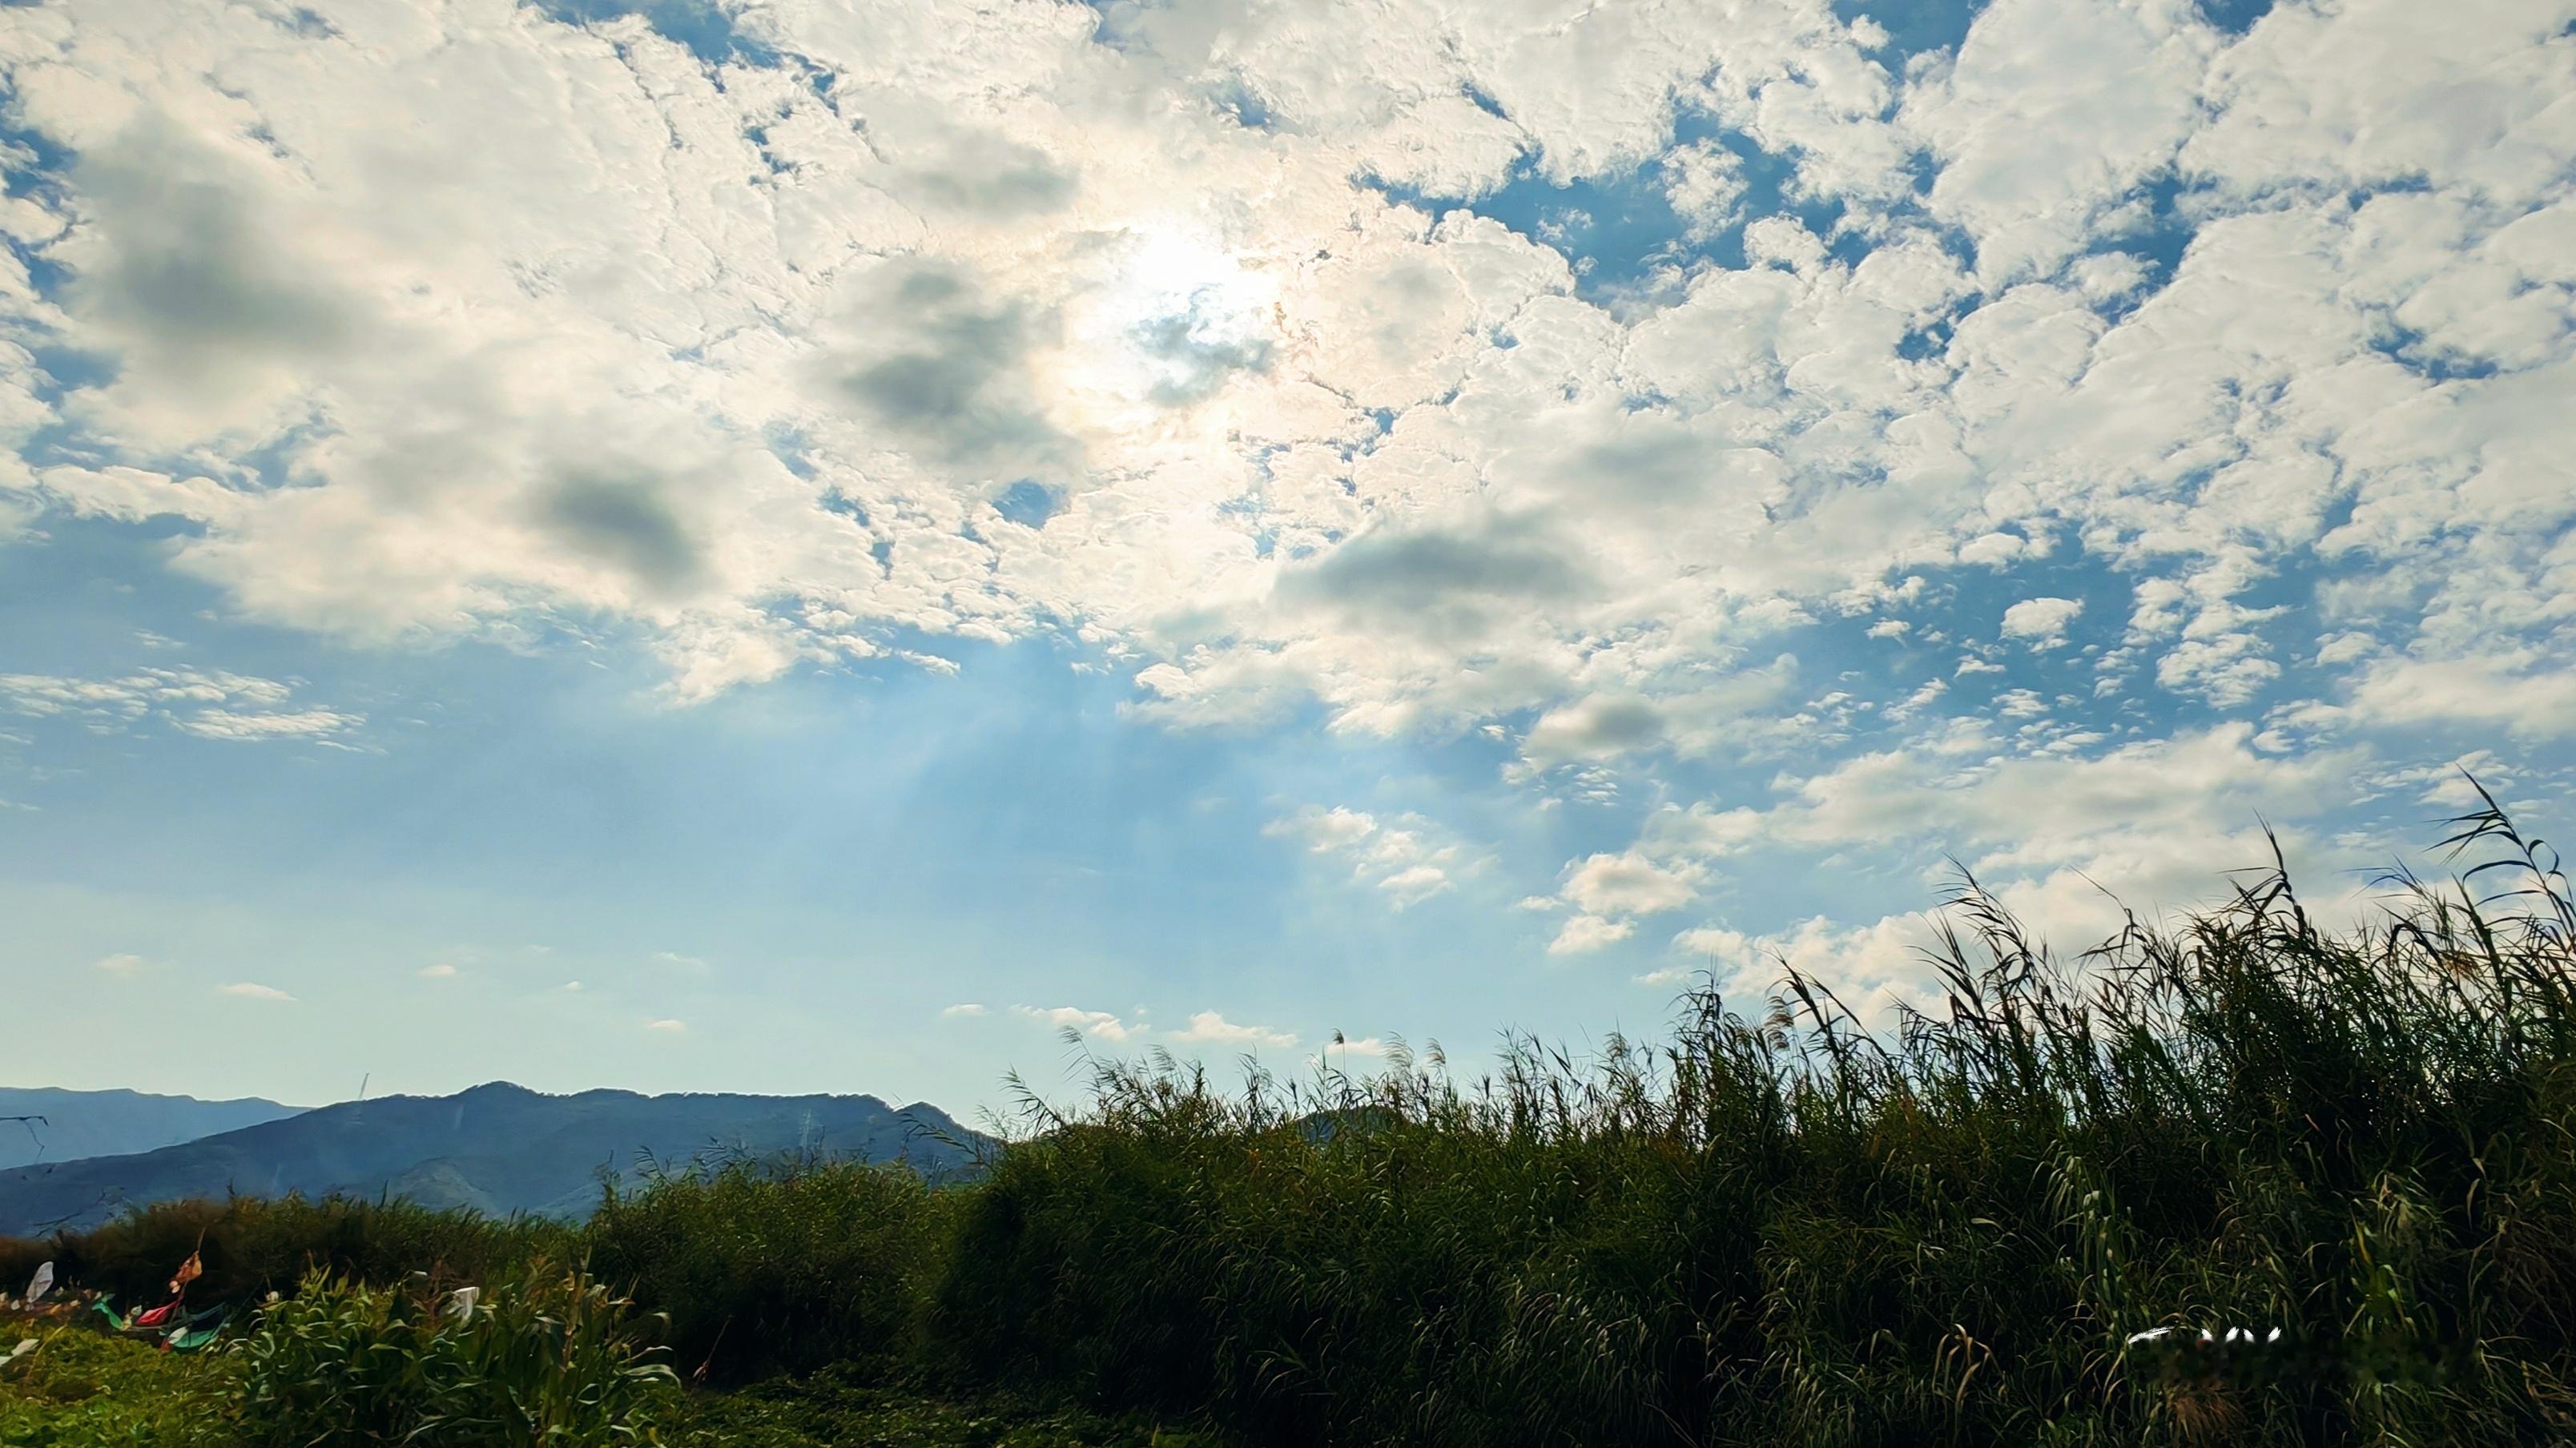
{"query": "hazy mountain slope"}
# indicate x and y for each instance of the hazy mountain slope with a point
(497, 1148)
(81, 1124)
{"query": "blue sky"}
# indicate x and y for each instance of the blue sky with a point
(818, 546)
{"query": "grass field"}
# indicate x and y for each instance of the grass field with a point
(1768, 1228)
(90, 1390)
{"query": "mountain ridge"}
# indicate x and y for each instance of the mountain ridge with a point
(497, 1147)
(78, 1125)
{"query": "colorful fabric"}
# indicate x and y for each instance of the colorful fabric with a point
(161, 1316)
(200, 1329)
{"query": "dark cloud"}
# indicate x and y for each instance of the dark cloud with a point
(626, 524)
(1609, 726)
(1655, 462)
(987, 176)
(1443, 583)
(178, 266)
(943, 370)
(1198, 360)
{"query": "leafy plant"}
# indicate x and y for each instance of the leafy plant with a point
(550, 1358)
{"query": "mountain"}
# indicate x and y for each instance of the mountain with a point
(497, 1148)
(81, 1124)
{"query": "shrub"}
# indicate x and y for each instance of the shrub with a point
(550, 1358)
(251, 1246)
(786, 1269)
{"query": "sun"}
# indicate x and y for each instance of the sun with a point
(1175, 319)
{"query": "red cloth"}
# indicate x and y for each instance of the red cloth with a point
(157, 1317)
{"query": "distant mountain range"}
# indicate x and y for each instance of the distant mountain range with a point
(79, 1124)
(498, 1149)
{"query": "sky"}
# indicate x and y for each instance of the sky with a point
(832, 546)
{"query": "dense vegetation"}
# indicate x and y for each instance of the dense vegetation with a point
(1775, 1228)
(545, 1358)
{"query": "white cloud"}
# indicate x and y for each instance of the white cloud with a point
(2529, 697)
(1662, 872)
(1407, 859)
(440, 971)
(1414, 884)
(1208, 1027)
(1103, 1024)
(226, 724)
(667, 1027)
(1338, 828)
(2043, 621)
(1871, 969)
(2156, 820)
(249, 990)
(2049, 113)
(210, 704)
(120, 964)
(2020, 704)
(527, 417)
(1627, 884)
(1584, 934)
(962, 1010)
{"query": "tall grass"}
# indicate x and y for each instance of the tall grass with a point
(783, 1269)
(1784, 1228)
(1772, 1226)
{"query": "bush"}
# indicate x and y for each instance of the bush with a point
(84, 1389)
(251, 1246)
(781, 1270)
(551, 1358)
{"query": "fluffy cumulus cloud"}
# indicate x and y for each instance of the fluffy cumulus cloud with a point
(1406, 860)
(2043, 621)
(1205, 1028)
(2187, 396)
(1075, 1021)
(1875, 970)
(1211, 1028)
